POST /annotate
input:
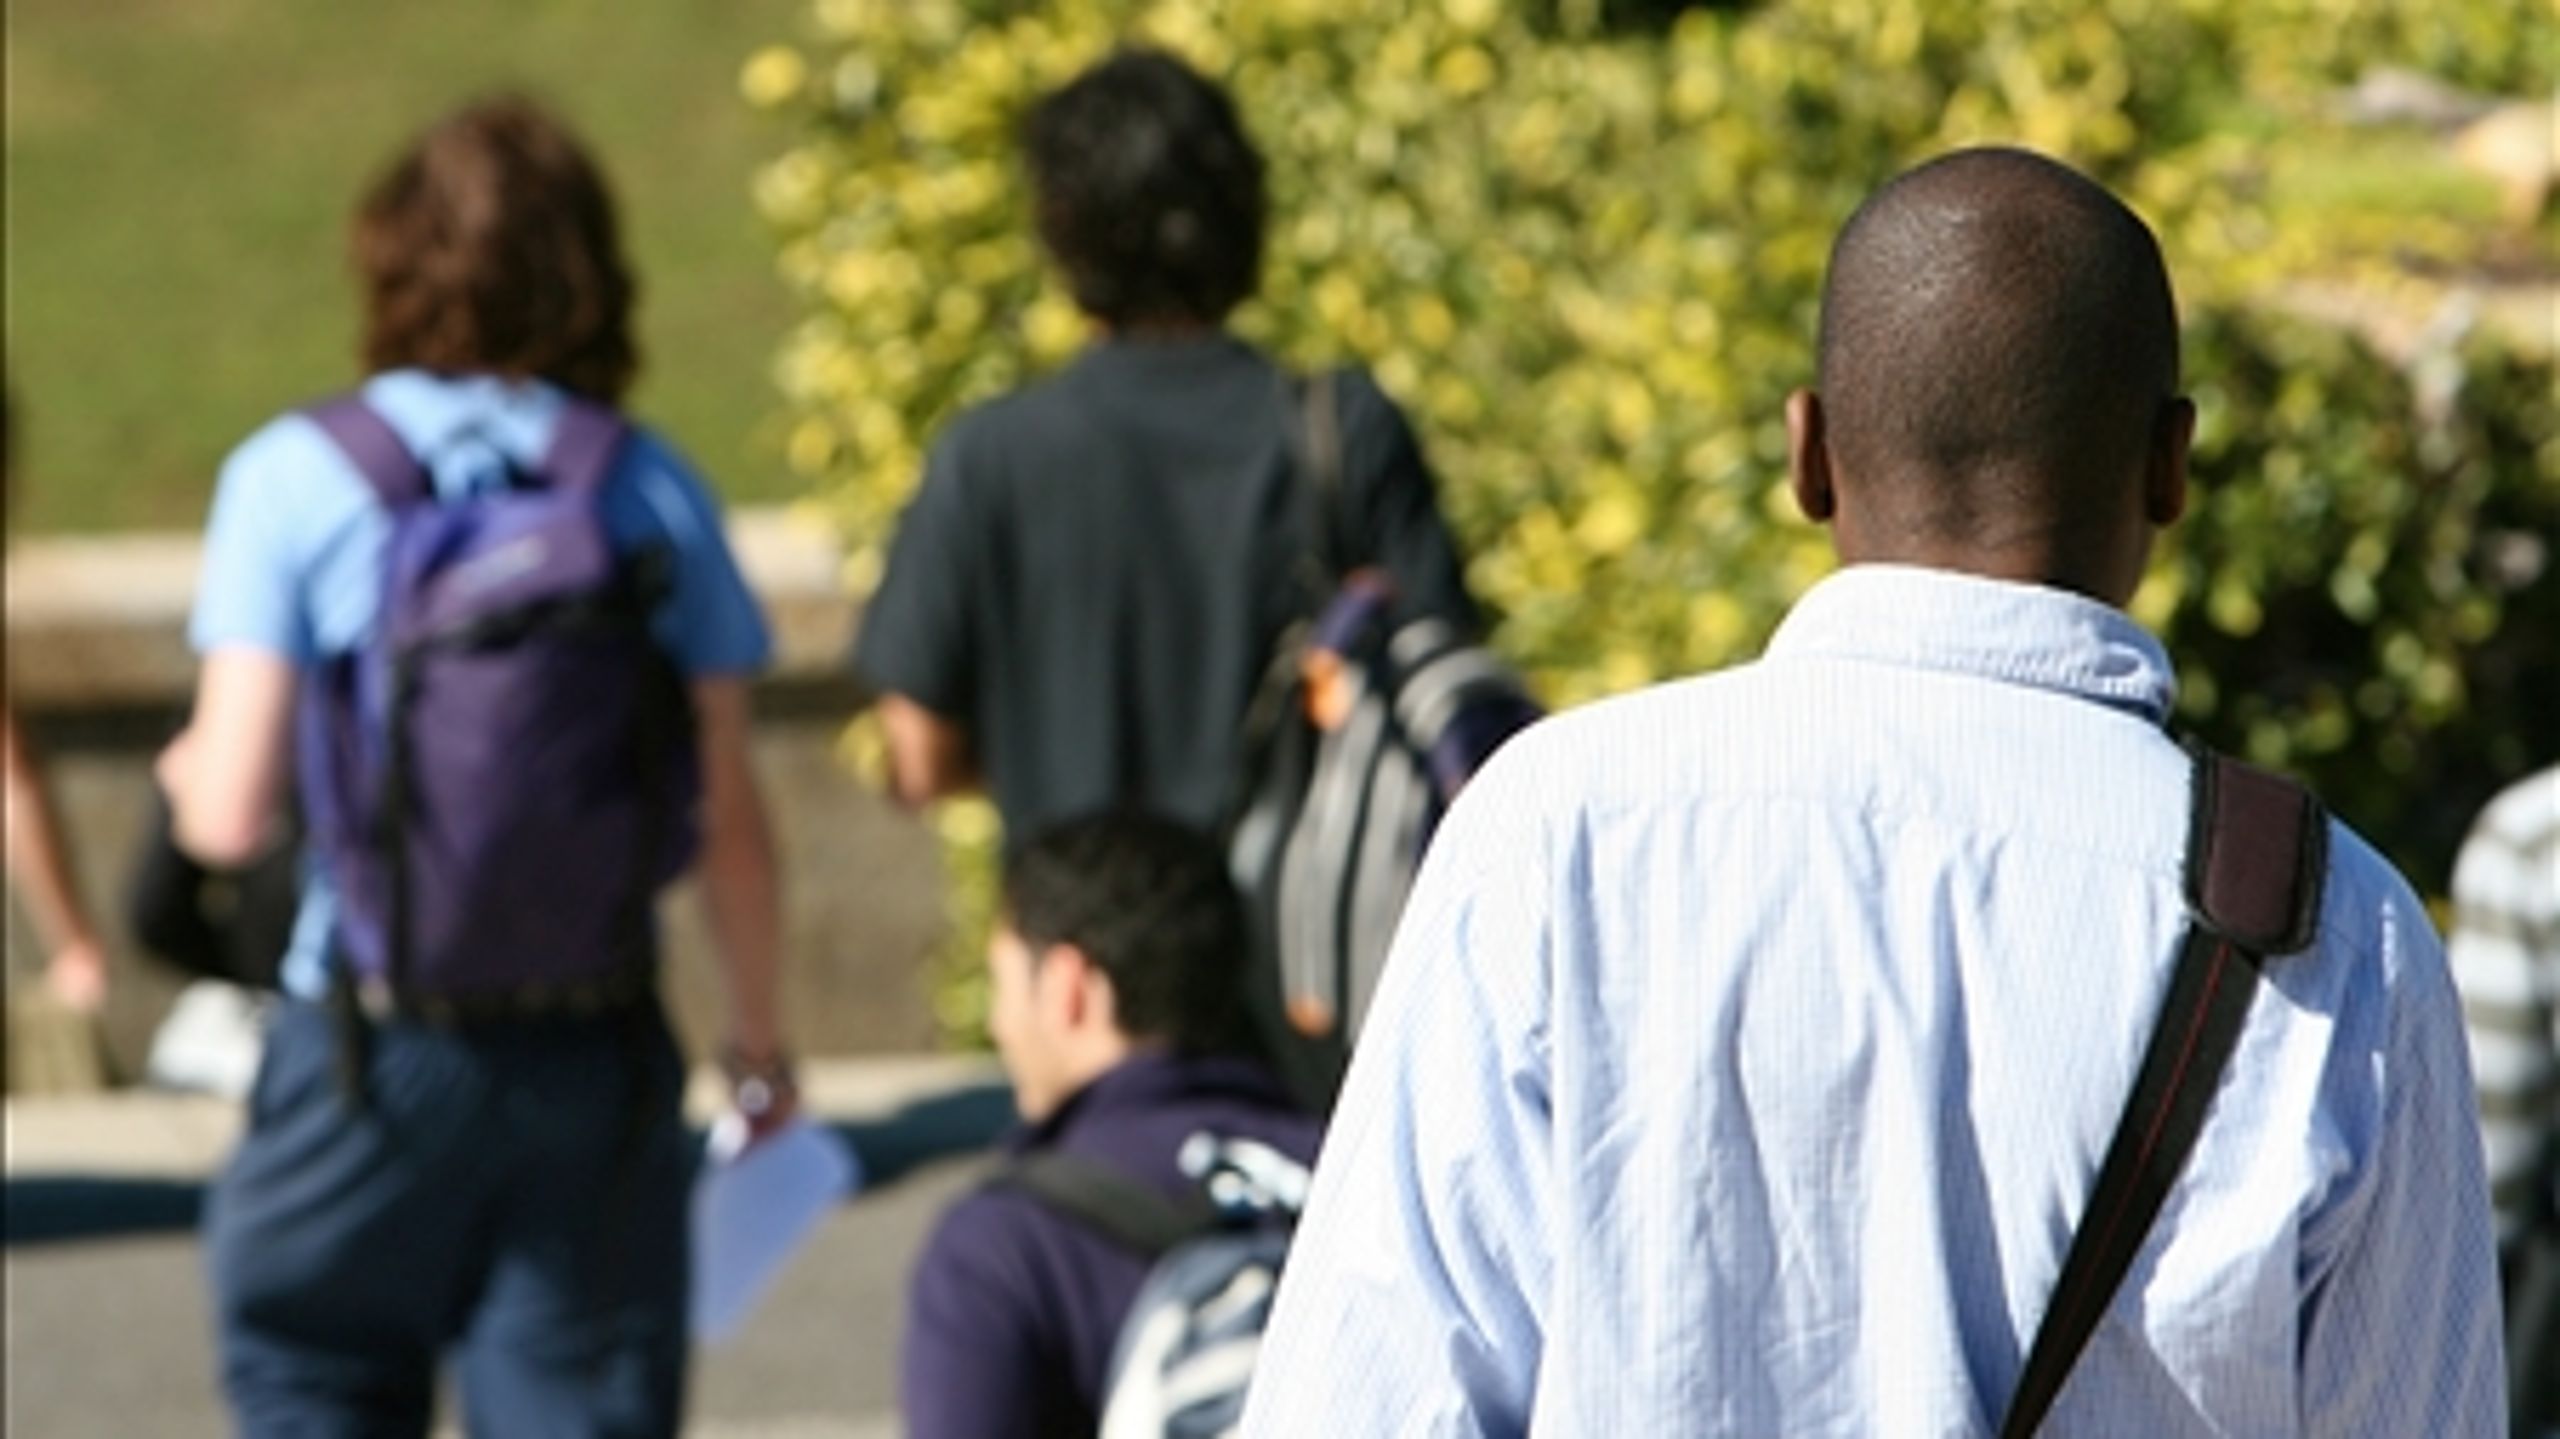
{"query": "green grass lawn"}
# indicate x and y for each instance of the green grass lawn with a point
(179, 175)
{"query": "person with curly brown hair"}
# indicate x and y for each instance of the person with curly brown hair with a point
(499, 1176)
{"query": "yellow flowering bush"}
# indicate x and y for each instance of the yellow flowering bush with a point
(1585, 253)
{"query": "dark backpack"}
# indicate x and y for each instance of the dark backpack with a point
(212, 922)
(1185, 1353)
(502, 777)
(1363, 729)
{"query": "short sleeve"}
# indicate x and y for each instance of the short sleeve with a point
(977, 1363)
(916, 630)
(1392, 492)
(710, 622)
(249, 594)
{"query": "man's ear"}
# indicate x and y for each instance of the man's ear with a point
(2164, 479)
(1057, 975)
(1079, 991)
(1809, 457)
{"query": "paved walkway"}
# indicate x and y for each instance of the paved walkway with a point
(106, 1329)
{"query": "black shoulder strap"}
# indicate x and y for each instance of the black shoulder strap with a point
(2257, 855)
(1311, 425)
(373, 447)
(1132, 1215)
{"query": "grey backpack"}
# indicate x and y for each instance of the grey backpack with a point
(1366, 724)
(1186, 1351)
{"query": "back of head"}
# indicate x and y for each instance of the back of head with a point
(1149, 902)
(1998, 341)
(1148, 192)
(490, 246)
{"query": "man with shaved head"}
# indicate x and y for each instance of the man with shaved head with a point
(1747, 1056)
(1999, 380)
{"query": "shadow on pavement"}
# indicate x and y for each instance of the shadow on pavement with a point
(51, 1208)
(59, 1208)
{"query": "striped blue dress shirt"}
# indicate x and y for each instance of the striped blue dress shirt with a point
(1750, 1043)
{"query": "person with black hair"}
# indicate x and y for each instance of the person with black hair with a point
(1746, 1059)
(1089, 583)
(1115, 977)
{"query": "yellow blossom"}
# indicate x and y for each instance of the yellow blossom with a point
(772, 75)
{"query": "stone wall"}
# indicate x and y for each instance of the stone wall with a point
(99, 672)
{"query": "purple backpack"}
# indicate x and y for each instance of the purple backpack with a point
(502, 777)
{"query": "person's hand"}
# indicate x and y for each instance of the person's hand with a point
(763, 1089)
(77, 975)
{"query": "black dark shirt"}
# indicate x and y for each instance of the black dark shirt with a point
(1094, 571)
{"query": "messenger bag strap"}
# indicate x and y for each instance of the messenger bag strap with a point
(2257, 855)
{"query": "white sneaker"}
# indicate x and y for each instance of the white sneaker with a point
(210, 1042)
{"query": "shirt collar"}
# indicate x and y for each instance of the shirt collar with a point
(473, 432)
(1148, 1080)
(1157, 356)
(1995, 629)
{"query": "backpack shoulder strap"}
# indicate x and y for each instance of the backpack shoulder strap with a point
(373, 447)
(1135, 1216)
(1311, 427)
(1322, 416)
(584, 443)
(2257, 859)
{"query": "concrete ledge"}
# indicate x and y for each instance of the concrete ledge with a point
(100, 621)
(131, 1134)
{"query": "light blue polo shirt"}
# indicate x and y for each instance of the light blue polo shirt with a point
(293, 551)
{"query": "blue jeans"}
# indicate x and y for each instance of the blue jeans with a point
(514, 1194)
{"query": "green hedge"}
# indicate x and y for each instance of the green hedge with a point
(2365, 590)
(1583, 246)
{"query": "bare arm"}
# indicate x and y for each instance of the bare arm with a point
(40, 863)
(224, 773)
(929, 756)
(741, 886)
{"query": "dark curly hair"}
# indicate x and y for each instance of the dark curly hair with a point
(1149, 902)
(490, 246)
(1148, 191)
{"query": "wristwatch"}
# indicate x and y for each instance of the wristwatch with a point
(758, 1086)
